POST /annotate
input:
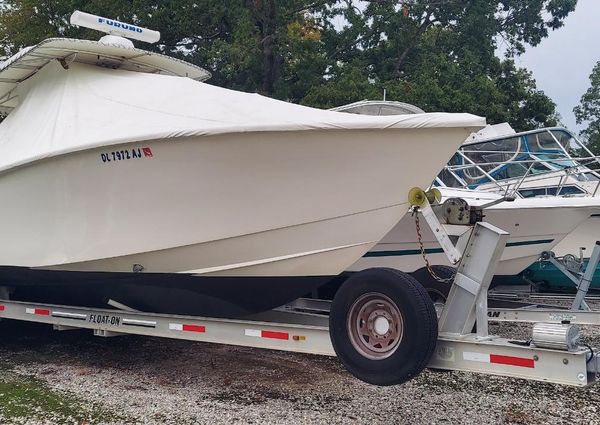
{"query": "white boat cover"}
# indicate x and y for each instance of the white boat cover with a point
(490, 132)
(65, 110)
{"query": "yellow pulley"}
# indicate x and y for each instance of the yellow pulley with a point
(417, 196)
(434, 196)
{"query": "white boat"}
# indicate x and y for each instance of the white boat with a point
(535, 225)
(124, 177)
(536, 166)
(548, 162)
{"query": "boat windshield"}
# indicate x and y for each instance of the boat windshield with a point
(449, 179)
(490, 156)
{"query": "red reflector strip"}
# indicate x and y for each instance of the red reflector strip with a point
(267, 334)
(1, 308)
(274, 335)
(512, 361)
(38, 311)
(186, 328)
(193, 328)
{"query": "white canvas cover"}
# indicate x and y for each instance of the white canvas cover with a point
(490, 132)
(86, 106)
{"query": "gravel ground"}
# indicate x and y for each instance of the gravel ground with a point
(51, 377)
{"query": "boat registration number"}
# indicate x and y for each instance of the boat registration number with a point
(125, 154)
(105, 319)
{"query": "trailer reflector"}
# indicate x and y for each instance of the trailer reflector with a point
(186, 328)
(275, 335)
(267, 334)
(299, 338)
(194, 328)
(499, 359)
(512, 361)
(1, 308)
(38, 311)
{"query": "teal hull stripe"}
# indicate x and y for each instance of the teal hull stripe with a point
(404, 252)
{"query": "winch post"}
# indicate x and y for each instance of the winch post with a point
(467, 300)
(586, 279)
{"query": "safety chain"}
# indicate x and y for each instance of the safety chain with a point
(415, 214)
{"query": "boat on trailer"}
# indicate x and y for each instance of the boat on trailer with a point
(125, 178)
(183, 185)
(548, 163)
(491, 163)
(535, 224)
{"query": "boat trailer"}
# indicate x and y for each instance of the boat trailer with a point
(579, 313)
(553, 354)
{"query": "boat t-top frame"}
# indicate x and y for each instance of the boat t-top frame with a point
(112, 51)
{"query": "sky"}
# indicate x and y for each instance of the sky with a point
(562, 63)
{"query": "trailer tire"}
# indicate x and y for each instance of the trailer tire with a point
(438, 291)
(383, 326)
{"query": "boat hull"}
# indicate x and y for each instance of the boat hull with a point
(253, 205)
(532, 231)
(168, 293)
(581, 240)
(547, 277)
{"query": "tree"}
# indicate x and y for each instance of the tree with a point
(441, 55)
(437, 54)
(268, 46)
(589, 111)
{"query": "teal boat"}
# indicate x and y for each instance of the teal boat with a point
(546, 276)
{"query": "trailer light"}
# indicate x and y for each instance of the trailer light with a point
(299, 338)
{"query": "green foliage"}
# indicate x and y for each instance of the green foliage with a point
(439, 55)
(589, 111)
(27, 398)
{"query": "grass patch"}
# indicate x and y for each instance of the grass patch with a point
(29, 398)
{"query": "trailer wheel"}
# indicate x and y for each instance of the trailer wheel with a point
(383, 326)
(438, 291)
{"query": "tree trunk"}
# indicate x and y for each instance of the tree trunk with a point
(266, 20)
(413, 42)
